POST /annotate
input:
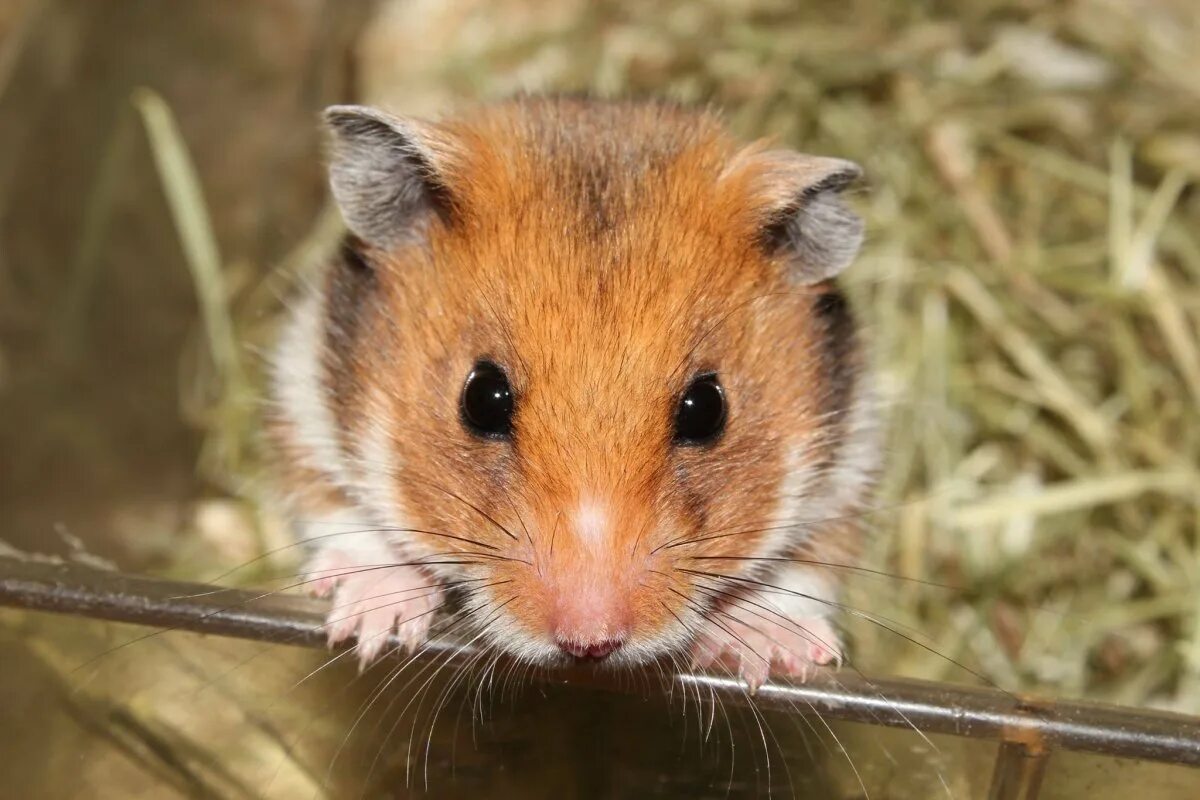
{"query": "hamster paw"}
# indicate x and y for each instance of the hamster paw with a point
(756, 647)
(373, 601)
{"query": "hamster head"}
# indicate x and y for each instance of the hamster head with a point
(575, 353)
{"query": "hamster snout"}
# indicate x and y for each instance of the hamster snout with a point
(590, 622)
(597, 651)
(582, 364)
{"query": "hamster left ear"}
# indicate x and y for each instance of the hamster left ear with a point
(805, 221)
(385, 173)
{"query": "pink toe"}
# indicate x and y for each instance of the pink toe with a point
(820, 656)
(340, 626)
(320, 587)
(370, 645)
(754, 672)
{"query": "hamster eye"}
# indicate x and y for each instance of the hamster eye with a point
(487, 402)
(701, 414)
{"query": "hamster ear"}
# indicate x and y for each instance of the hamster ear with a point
(383, 172)
(805, 221)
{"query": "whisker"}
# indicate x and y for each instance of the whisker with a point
(440, 703)
(332, 572)
(741, 600)
(328, 622)
(393, 674)
(831, 603)
(447, 625)
(445, 662)
(554, 532)
(310, 539)
(476, 509)
(245, 602)
(824, 722)
(865, 615)
(803, 523)
(797, 627)
(831, 565)
(517, 514)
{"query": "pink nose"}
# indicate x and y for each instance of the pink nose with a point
(594, 651)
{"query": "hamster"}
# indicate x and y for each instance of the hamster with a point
(584, 364)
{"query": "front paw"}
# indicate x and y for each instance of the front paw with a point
(372, 601)
(756, 645)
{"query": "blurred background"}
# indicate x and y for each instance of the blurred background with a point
(1029, 285)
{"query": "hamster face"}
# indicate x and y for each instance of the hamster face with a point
(589, 353)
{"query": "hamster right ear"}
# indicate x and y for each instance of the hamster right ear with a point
(801, 215)
(384, 174)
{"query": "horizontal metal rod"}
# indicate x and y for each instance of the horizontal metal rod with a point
(980, 713)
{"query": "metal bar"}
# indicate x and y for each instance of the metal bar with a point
(1037, 725)
(1018, 772)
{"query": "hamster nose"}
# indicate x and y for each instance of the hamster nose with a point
(591, 651)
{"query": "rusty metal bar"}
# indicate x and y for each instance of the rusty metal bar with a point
(1030, 725)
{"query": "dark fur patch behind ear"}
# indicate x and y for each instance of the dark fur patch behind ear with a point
(839, 344)
(383, 174)
(351, 292)
(817, 233)
(349, 286)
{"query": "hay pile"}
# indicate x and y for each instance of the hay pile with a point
(1030, 283)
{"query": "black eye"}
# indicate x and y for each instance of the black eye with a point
(487, 401)
(701, 415)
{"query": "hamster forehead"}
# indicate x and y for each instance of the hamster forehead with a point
(575, 247)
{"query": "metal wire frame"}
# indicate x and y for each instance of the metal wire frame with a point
(1028, 729)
